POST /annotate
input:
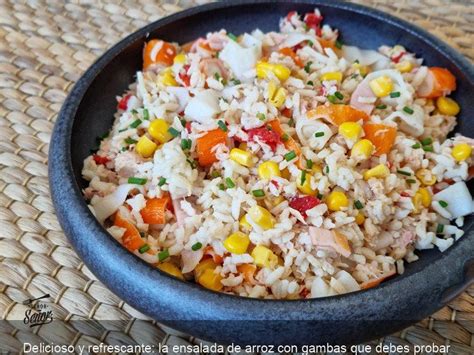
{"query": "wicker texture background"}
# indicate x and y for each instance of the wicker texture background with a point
(45, 45)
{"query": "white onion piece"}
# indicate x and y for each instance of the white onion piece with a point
(458, 198)
(296, 38)
(346, 279)
(409, 123)
(319, 288)
(181, 94)
(365, 57)
(306, 128)
(203, 106)
(104, 207)
(241, 59)
(190, 259)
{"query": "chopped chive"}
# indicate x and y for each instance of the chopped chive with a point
(358, 205)
(163, 255)
(356, 61)
(230, 184)
(307, 67)
(136, 123)
(232, 36)
(327, 169)
(142, 234)
(183, 122)
(320, 196)
(258, 193)
(426, 141)
(290, 155)
(403, 172)
(309, 163)
(303, 177)
(221, 187)
(411, 181)
(162, 181)
(222, 125)
(137, 181)
(192, 163)
(124, 149)
(440, 228)
(186, 144)
(217, 76)
(319, 134)
(332, 99)
(144, 248)
(291, 122)
(310, 83)
(196, 246)
(285, 137)
(215, 174)
(339, 44)
(408, 110)
(338, 95)
(381, 107)
(134, 112)
(443, 204)
(395, 94)
(261, 116)
(173, 131)
(310, 43)
(416, 146)
(122, 130)
(146, 114)
(236, 81)
(428, 148)
(129, 140)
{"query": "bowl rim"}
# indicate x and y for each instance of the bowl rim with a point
(71, 208)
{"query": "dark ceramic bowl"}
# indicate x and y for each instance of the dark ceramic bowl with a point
(427, 284)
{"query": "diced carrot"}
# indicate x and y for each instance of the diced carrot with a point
(290, 53)
(247, 271)
(443, 82)
(381, 136)
(338, 114)
(154, 211)
(325, 43)
(131, 238)
(206, 143)
(209, 251)
(290, 143)
(164, 55)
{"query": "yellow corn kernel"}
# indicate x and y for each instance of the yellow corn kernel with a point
(380, 171)
(425, 197)
(180, 59)
(362, 149)
(241, 157)
(171, 269)
(204, 265)
(404, 67)
(277, 200)
(426, 177)
(211, 280)
(280, 71)
(166, 78)
(305, 187)
(447, 106)
(237, 243)
(158, 129)
(264, 257)
(417, 202)
(244, 224)
(360, 218)
(268, 169)
(336, 201)
(461, 151)
(350, 130)
(271, 89)
(363, 69)
(316, 169)
(381, 86)
(261, 216)
(333, 75)
(279, 98)
(146, 147)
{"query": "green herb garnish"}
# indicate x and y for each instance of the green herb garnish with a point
(395, 94)
(144, 248)
(230, 184)
(163, 255)
(290, 155)
(137, 181)
(136, 123)
(222, 125)
(258, 193)
(196, 246)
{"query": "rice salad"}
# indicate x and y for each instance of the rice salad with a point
(282, 165)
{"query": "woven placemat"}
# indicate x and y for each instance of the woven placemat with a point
(45, 46)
